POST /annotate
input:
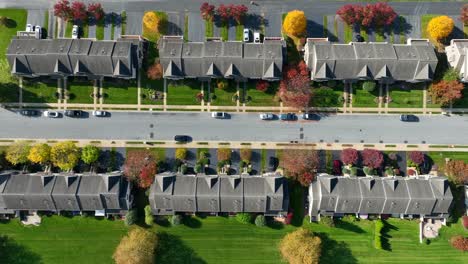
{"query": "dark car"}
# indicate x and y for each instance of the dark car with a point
(74, 113)
(272, 163)
(288, 117)
(182, 138)
(29, 112)
(358, 38)
(409, 118)
(311, 116)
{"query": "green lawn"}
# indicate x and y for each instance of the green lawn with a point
(68, 29)
(39, 92)
(183, 92)
(224, 32)
(411, 98)
(348, 33)
(255, 97)
(224, 96)
(123, 92)
(80, 92)
(424, 21)
(239, 32)
(208, 29)
(9, 92)
(63, 240)
(123, 27)
(148, 86)
(100, 30)
(85, 28)
(362, 98)
(46, 21)
(438, 157)
(17, 22)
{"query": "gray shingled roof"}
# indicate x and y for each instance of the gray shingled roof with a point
(213, 59)
(412, 62)
(39, 192)
(189, 193)
(14, 192)
(64, 192)
(423, 195)
(73, 57)
(457, 56)
(4, 176)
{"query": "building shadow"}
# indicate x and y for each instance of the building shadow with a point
(315, 30)
(336, 252)
(173, 29)
(385, 237)
(14, 253)
(348, 226)
(171, 249)
(192, 222)
(402, 26)
(254, 21)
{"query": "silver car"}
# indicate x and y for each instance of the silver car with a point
(52, 114)
(100, 113)
(267, 116)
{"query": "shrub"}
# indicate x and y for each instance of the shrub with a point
(368, 86)
(372, 158)
(183, 169)
(244, 218)
(131, 217)
(198, 168)
(176, 220)
(262, 85)
(260, 221)
(465, 221)
(327, 221)
(353, 171)
(222, 84)
(246, 154)
(368, 171)
(242, 164)
(350, 218)
(149, 218)
(181, 153)
(379, 225)
(459, 242)
(417, 157)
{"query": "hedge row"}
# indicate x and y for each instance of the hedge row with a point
(379, 225)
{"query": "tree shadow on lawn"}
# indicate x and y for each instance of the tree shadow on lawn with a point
(171, 249)
(13, 253)
(348, 226)
(336, 252)
(192, 222)
(385, 237)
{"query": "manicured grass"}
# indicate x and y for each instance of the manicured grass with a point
(224, 96)
(40, 92)
(412, 97)
(85, 29)
(465, 30)
(100, 30)
(362, 98)
(255, 97)
(424, 21)
(18, 16)
(239, 32)
(348, 33)
(325, 26)
(68, 29)
(9, 92)
(208, 29)
(112, 27)
(364, 34)
(224, 32)
(46, 21)
(438, 157)
(379, 35)
(64, 240)
(80, 92)
(153, 35)
(123, 26)
(123, 92)
(183, 92)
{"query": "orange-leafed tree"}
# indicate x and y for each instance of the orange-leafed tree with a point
(151, 21)
(440, 27)
(300, 164)
(445, 92)
(140, 167)
(155, 72)
(301, 246)
(457, 171)
(295, 23)
(138, 246)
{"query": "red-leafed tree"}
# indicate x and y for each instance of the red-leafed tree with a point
(62, 9)
(294, 89)
(239, 12)
(224, 12)
(349, 156)
(79, 11)
(139, 166)
(445, 92)
(417, 157)
(457, 171)
(96, 11)
(367, 16)
(350, 14)
(376, 15)
(464, 14)
(383, 14)
(299, 164)
(207, 11)
(155, 72)
(262, 85)
(372, 158)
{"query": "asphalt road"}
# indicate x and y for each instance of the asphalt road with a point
(240, 127)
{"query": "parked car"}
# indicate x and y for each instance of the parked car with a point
(75, 32)
(409, 118)
(358, 38)
(100, 113)
(246, 35)
(257, 37)
(267, 116)
(29, 112)
(38, 30)
(219, 115)
(74, 113)
(29, 28)
(337, 167)
(52, 114)
(311, 116)
(182, 138)
(288, 117)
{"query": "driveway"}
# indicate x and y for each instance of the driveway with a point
(134, 23)
(196, 27)
(36, 17)
(175, 21)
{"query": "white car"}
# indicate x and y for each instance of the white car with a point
(75, 32)
(29, 28)
(51, 114)
(38, 30)
(246, 35)
(256, 37)
(219, 115)
(267, 116)
(100, 113)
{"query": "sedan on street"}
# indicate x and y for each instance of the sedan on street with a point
(182, 138)
(267, 116)
(100, 113)
(74, 113)
(52, 114)
(288, 117)
(219, 115)
(29, 112)
(310, 116)
(409, 118)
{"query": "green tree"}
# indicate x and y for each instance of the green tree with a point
(65, 155)
(301, 246)
(149, 218)
(244, 218)
(18, 152)
(90, 154)
(40, 154)
(131, 217)
(137, 247)
(260, 221)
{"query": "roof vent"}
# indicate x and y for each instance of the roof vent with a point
(33, 49)
(172, 52)
(103, 51)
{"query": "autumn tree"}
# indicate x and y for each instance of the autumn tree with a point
(224, 13)
(96, 11)
(440, 27)
(417, 157)
(79, 11)
(382, 14)
(155, 71)
(372, 158)
(295, 23)
(459, 242)
(375, 15)
(445, 92)
(137, 247)
(17, 153)
(300, 247)
(350, 14)
(181, 153)
(65, 155)
(294, 89)
(3, 20)
(262, 85)
(464, 14)
(207, 11)
(238, 12)
(140, 167)
(224, 154)
(90, 154)
(40, 154)
(246, 154)
(300, 164)
(151, 21)
(349, 156)
(62, 10)
(457, 171)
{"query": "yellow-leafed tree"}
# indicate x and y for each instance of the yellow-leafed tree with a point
(40, 154)
(65, 155)
(301, 246)
(440, 27)
(137, 247)
(295, 23)
(151, 21)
